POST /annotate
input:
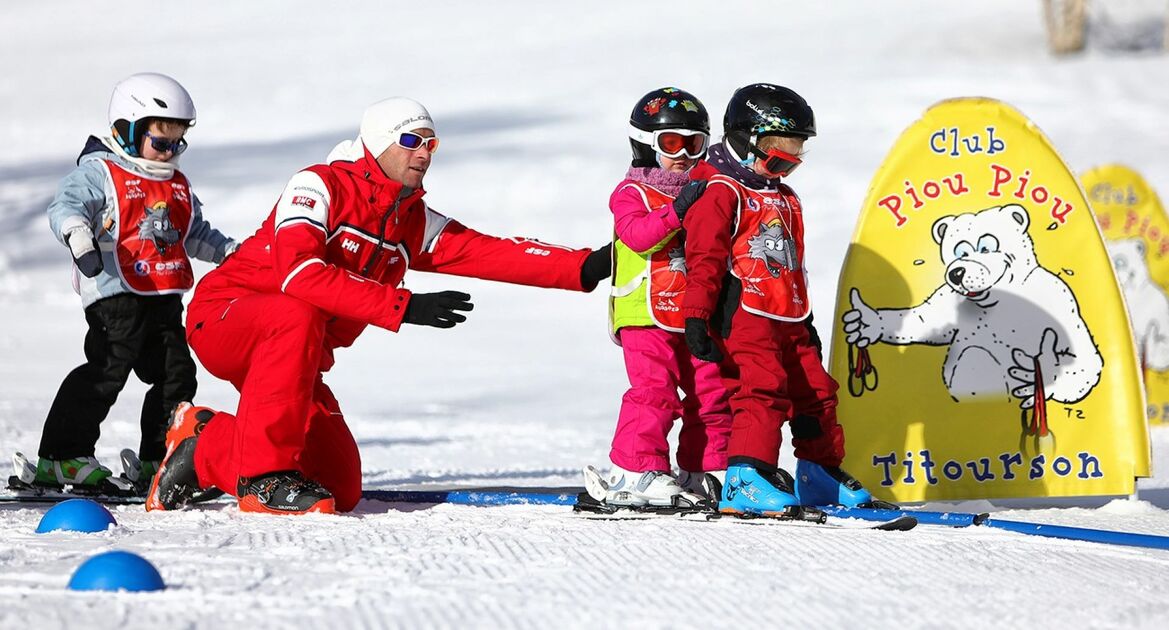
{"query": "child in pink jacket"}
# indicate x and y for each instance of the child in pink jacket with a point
(669, 131)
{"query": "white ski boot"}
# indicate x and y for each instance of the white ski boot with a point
(708, 485)
(627, 488)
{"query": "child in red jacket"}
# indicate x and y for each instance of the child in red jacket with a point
(757, 304)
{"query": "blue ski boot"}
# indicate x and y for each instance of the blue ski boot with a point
(823, 485)
(749, 490)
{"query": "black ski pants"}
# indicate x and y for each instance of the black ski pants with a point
(126, 332)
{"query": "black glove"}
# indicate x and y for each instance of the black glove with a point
(597, 266)
(688, 195)
(699, 341)
(437, 309)
(814, 337)
(83, 245)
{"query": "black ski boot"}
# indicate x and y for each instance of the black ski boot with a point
(176, 482)
(284, 492)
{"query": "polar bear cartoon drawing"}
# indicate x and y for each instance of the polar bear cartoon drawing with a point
(1013, 328)
(1148, 306)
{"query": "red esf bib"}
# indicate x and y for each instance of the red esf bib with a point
(767, 252)
(151, 220)
(665, 269)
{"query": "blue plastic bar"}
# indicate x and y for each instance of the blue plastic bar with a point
(471, 497)
(1129, 539)
(964, 519)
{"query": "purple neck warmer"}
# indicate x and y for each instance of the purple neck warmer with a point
(722, 159)
(669, 182)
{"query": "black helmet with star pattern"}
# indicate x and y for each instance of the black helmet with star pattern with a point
(765, 109)
(664, 108)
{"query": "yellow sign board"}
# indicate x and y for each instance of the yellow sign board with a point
(1137, 234)
(979, 323)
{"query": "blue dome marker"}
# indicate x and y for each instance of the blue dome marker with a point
(116, 571)
(76, 515)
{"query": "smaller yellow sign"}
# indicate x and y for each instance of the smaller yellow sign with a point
(1137, 233)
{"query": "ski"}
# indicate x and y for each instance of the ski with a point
(20, 492)
(124, 489)
(22, 487)
(888, 512)
(814, 517)
(587, 506)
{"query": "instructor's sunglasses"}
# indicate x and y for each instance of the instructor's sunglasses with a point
(162, 145)
(775, 162)
(414, 142)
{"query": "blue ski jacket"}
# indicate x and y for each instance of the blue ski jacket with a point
(86, 196)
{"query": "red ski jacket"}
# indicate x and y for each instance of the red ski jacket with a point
(341, 237)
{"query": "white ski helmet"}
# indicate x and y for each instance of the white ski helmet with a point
(146, 95)
(383, 121)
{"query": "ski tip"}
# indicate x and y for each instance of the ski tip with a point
(899, 524)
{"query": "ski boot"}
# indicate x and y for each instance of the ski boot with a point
(84, 476)
(632, 489)
(176, 483)
(64, 478)
(79, 472)
(652, 491)
(708, 485)
(138, 472)
(829, 485)
(284, 492)
(752, 491)
(187, 421)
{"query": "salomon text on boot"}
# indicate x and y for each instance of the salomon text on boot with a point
(284, 492)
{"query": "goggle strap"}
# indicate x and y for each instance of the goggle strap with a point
(644, 137)
(132, 150)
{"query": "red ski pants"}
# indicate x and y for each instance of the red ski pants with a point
(270, 347)
(774, 375)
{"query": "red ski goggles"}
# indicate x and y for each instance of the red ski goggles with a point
(777, 163)
(673, 143)
(413, 141)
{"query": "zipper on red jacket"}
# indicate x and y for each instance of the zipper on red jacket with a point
(381, 236)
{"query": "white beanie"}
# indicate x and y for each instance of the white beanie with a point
(383, 121)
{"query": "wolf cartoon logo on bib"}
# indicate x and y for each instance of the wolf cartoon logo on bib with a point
(977, 285)
(1136, 231)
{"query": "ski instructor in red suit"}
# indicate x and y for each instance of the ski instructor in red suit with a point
(326, 264)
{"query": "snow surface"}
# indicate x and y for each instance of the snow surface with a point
(531, 101)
